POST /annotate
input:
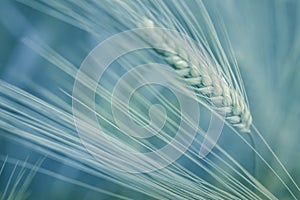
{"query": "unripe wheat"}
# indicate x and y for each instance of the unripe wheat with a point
(207, 83)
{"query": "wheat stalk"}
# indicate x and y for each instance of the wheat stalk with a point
(206, 81)
(19, 178)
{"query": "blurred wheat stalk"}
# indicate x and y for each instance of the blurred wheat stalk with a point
(46, 125)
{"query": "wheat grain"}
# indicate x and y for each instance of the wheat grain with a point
(207, 83)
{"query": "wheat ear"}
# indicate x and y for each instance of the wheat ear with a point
(208, 84)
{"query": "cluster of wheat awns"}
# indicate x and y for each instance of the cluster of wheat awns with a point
(50, 129)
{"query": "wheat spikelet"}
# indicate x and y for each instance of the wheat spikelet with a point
(207, 83)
